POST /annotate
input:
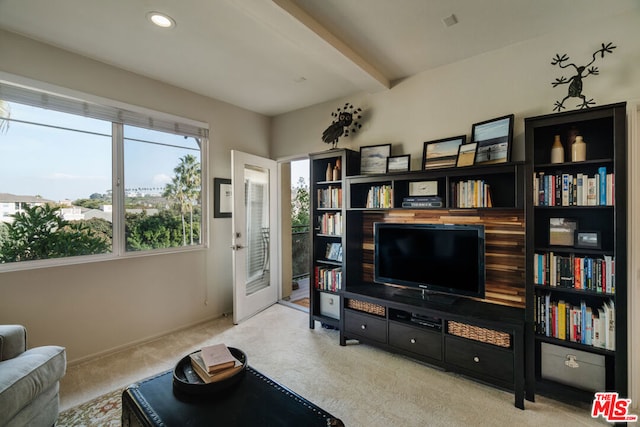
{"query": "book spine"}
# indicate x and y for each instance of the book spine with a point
(602, 190)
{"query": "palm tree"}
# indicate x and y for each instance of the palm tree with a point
(173, 192)
(184, 190)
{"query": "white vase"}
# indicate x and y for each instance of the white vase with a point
(578, 150)
(557, 151)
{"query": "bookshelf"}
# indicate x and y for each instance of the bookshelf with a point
(328, 231)
(576, 252)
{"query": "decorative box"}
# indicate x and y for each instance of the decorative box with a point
(573, 367)
(330, 305)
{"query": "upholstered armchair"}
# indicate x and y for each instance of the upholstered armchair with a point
(29, 380)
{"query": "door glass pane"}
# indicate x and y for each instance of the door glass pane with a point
(256, 186)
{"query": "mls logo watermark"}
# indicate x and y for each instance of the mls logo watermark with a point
(612, 408)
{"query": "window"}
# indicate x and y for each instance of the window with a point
(59, 160)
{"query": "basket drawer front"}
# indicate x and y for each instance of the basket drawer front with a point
(365, 326)
(481, 358)
(419, 341)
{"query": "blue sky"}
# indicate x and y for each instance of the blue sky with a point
(58, 164)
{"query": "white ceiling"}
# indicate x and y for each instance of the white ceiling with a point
(275, 56)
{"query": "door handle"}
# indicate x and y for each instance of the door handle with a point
(237, 247)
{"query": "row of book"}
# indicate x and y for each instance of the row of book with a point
(380, 196)
(577, 272)
(330, 197)
(574, 190)
(330, 223)
(328, 278)
(471, 194)
(577, 323)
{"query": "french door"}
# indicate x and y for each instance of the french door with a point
(254, 234)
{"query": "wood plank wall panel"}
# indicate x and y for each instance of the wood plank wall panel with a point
(504, 245)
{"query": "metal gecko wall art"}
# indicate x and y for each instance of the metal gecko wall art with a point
(575, 82)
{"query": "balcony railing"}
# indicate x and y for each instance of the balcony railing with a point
(300, 251)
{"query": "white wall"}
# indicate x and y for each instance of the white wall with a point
(517, 79)
(96, 307)
(447, 101)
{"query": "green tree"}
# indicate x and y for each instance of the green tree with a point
(40, 233)
(300, 204)
(146, 232)
(184, 191)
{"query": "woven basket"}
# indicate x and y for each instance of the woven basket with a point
(476, 333)
(367, 307)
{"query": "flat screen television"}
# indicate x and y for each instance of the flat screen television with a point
(445, 259)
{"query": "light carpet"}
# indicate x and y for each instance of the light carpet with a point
(362, 385)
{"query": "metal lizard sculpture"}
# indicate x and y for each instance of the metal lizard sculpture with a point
(575, 82)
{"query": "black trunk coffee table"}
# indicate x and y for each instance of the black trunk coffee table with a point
(256, 400)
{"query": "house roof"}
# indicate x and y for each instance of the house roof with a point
(13, 198)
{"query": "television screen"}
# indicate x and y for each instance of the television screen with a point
(435, 257)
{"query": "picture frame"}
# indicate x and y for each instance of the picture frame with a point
(562, 231)
(466, 154)
(334, 252)
(222, 198)
(588, 239)
(494, 138)
(399, 163)
(423, 188)
(373, 159)
(441, 153)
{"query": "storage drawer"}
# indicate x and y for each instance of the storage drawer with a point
(420, 341)
(483, 359)
(330, 305)
(573, 367)
(365, 326)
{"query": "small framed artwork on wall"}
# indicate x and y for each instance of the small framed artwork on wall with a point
(222, 198)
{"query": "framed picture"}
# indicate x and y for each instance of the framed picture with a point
(587, 239)
(562, 231)
(494, 138)
(466, 154)
(423, 188)
(441, 153)
(399, 163)
(373, 159)
(222, 198)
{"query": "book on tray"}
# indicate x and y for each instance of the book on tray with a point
(200, 368)
(217, 357)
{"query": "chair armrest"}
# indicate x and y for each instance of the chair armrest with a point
(13, 341)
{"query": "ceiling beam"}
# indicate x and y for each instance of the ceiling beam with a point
(381, 82)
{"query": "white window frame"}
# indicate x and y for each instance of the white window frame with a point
(135, 116)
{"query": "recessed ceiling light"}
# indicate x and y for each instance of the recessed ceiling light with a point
(161, 20)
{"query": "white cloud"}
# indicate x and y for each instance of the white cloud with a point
(160, 179)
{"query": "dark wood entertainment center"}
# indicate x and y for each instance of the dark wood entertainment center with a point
(496, 339)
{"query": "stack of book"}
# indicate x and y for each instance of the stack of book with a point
(214, 363)
(422, 202)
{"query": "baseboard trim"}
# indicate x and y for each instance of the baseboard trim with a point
(141, 341)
